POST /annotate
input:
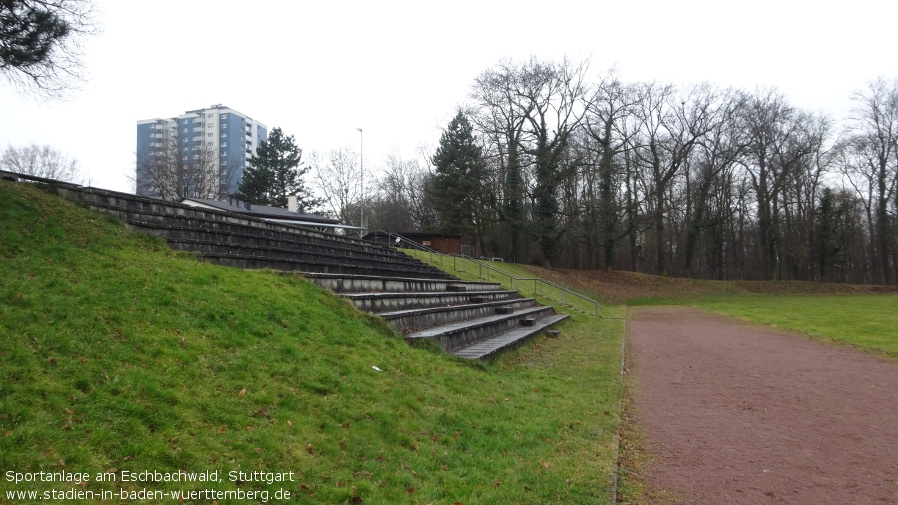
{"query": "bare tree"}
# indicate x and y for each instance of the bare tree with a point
(532, 109)
(400, 203)
(607, 137)
(41, 161)
(711, 164)
(338, 177)
(871, 166)
(499, 120)
(173, 172)
(669, 125)
(782, 142)
(40, 44)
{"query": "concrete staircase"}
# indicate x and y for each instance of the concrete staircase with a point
(475, 320)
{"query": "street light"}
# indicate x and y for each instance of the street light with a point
(362, 168)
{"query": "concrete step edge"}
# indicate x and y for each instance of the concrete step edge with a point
(492, 346)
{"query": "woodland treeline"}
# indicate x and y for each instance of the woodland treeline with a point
(696, 181)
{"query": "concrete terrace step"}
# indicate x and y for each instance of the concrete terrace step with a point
(455, 335)
(281, 240)
(247, 242)
(154, 213)
(409, 321)
(302, 255)
(305, 267)
(487, 348)
(215, 231)
(259, 233)
(348, 283)
(390, 302)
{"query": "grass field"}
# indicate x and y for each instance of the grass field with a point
(869, 322)
(118, 354)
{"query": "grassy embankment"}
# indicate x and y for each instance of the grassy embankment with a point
(117, 353)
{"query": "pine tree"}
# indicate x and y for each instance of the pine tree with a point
(40, 44)
(275, 172)
(456, 191)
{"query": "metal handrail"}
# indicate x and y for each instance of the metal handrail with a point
(538, 282)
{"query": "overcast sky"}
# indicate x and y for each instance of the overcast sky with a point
(319, 70)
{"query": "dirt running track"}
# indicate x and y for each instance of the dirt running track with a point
(734, 413)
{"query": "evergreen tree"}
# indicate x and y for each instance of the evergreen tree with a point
(40, 43)
(275, 172)
(456, 191)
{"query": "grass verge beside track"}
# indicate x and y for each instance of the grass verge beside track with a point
(586, 357)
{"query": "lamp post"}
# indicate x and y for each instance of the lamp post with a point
(362, 170)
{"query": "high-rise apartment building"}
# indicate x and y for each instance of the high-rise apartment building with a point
(201, 153)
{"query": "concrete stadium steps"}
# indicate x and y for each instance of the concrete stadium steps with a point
(389, 302)
(342, 283)
(488, 348)
(186, 228)
(414, 320)
(457, 335)
(211, 232)
(472, 319)
(303, 267)
(152, 213)
(295, 259)
(241, 241)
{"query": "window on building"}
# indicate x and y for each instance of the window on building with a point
(224, 116)
(224, 126)
(224, 135)
(209, 152)
(210, 144)
(209, 125)
(184, 130)
(224, 144)
(210, 135)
